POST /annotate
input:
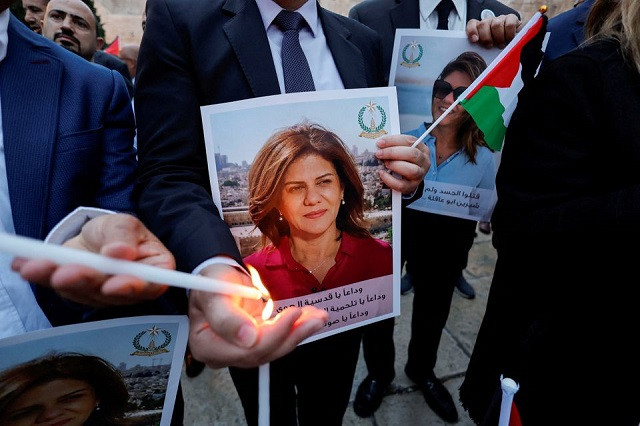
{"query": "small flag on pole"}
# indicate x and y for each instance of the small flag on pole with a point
(114, 47)
(493, 96)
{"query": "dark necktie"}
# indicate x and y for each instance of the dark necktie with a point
(444, 9)
(297, 74)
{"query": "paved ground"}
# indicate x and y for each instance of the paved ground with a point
(211, 399)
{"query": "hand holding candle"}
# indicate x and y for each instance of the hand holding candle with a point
(81, 275)
(228, 331)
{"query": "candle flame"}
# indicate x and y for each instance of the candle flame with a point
(257, 283)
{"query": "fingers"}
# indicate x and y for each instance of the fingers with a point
(275, 338)
(37, 271)
(496, 31)
(408, 164)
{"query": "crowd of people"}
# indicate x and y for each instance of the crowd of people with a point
(136, 187)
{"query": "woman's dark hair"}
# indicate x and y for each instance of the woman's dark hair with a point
(473, 65)
(105, 380)
(266, 178)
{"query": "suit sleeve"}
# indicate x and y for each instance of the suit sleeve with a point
(173, 186)
(118, 157)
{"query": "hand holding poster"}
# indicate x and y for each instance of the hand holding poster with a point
(300, 189)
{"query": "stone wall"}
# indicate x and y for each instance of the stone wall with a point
(123, 17)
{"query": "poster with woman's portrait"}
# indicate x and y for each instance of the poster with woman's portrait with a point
(430, 69)
(296, 178)
(121, 371)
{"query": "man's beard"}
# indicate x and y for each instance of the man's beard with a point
(72, 47)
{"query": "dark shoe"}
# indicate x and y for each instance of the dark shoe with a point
(369, 397)
(406, 283)
(437, 397)
(485, 227)
(193, 367)
(464, 289)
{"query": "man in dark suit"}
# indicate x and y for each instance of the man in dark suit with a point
(385, 16)
(200, 52)
(566, 30)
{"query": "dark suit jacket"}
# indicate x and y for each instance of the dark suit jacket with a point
(564, 297)
(201, 52)
(567, 31)
(113, 63)
(68, 138)
(385, 16)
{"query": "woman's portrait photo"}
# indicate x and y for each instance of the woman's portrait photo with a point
(300, 191)
(70, 389)
(461, 179)
(115, 372)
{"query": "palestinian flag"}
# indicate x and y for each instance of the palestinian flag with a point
(493, 96)
(114, 47)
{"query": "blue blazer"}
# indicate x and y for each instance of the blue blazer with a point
(201, 52)
(68, 137)
(567, 31)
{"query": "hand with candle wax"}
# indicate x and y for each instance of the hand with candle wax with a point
(229, 331)
(120, 236)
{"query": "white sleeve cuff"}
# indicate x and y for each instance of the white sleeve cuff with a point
(72, 223)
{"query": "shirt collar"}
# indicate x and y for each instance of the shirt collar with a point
(4, 36)
(428, 6)
(270, 9)
(282, 255)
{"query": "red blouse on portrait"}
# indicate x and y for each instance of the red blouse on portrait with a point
(358, 259)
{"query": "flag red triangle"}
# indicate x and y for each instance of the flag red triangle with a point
(114, 47)
(514, 419)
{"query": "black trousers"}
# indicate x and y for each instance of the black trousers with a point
(435, 248)
(309, 386)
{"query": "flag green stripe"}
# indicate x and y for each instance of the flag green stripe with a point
(486, 109)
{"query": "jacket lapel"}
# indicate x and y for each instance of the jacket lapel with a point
(30, 81)
(347, 56)
(251, 46)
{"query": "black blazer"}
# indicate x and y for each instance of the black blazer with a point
(385, 16)
(201, 52)
(564, 297)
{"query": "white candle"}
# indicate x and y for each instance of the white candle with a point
(263, 395)
(36, 249)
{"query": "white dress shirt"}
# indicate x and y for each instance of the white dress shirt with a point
(429, 15)
(312, 40)
(19, 311)
(314, 45)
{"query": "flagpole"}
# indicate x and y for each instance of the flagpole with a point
(435, 123)
(482, 76)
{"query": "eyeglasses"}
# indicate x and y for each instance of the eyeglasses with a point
(441, 89)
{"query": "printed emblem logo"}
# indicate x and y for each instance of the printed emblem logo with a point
(412, 60)
(148, 337)
(373, 131)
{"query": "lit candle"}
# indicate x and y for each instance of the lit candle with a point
(36, 249)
